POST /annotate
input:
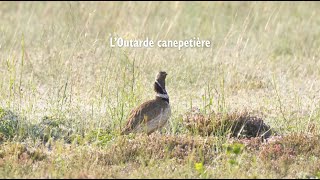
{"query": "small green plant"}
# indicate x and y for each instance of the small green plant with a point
(235, 148)
(100, 136)
(8, 124)
(52, 128)
(233, 151)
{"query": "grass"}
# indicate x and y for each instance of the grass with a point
(65, 94)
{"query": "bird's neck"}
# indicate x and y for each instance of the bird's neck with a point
(161, 91)
(163, 97)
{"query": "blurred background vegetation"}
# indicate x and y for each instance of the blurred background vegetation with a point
(56, 63)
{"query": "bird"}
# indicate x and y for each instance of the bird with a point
(153, 114)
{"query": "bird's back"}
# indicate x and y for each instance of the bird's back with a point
(148, 117)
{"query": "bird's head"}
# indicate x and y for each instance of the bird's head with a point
(160, 80)
(161, 76)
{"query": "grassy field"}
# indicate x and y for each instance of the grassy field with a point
(65, 94)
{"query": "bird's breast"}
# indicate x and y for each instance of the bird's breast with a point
(161, 119)
(158, 121)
